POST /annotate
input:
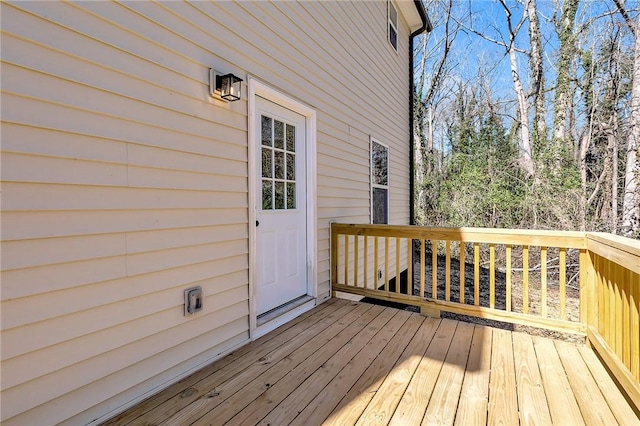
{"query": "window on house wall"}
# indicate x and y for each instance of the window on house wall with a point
(379, 183)
(393, 25)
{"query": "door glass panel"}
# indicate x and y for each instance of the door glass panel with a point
(267, 163)
(291, 166)
(278, 134)
(291, 195)
(279, 163)
(267, 194)
(279, 186)
(291, 138)
(266, 131)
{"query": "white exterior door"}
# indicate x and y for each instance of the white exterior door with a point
(281, 217)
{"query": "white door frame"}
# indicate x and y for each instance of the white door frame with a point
(258, 88)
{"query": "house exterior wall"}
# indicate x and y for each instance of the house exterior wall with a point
(123, 182)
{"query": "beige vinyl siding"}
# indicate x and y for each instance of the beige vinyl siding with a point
(124, 183)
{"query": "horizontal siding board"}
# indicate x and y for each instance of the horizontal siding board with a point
(59, 38)
(64, 92)
(42, 279)
(58, 383)
(47, 278)
(36, 112)
(25, 139)
(145, 177)
(142, 263)
(175, 159)
(25, 225)
(144, 241)
(231, 336)
(95, 76)
(142, 321)
(27, 308)
(25, 168)
(41, 196)
(77, 20)
(29, 253)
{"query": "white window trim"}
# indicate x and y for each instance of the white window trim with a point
(374, 185)
(393, 24)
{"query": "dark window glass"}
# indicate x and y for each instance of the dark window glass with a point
(266, 131)
(380, 212)
(380, 164)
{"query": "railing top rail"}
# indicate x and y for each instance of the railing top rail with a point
(566, 239)
(621, 250)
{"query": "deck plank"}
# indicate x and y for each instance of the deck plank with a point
(474, 396)
(594, 407)
(314, 384)
(532, 400)
(251, 402)
(413, 404)
(182, 393)
(317, 410)
(446, 393)
(349, 340)
(503, 401)
(348, 363)
(385, 401)
(264, 372)
(563, 406)
(352, 405)
(618, 404)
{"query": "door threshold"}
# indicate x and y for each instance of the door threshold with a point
(274, 318)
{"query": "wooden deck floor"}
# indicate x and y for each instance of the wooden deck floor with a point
(349, 363)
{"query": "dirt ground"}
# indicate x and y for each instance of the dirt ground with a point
(572, 308)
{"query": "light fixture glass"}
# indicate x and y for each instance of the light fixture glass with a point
(228, 86)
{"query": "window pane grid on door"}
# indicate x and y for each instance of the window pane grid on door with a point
(278, 165)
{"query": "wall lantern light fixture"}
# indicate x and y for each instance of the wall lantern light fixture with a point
(227, 86)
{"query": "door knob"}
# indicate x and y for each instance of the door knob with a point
(257, 223)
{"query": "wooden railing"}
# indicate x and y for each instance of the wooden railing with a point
(613, 323)
(575, 282)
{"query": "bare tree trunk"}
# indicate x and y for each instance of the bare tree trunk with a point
(563, 84)
(524, 142)
(631, 201)
(614, 176)
(537, 75)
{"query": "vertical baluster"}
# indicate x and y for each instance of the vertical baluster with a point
(462, 267)
(376, 259)
(335, 246)
(492, 276)
(617, 278)
(525, 279)
(508, 277)
(563, 282)
(606, 300)
(409, 266)
(366, 262)
(356, 243)
(398, 252)
(476, 274)
(434, 269)
(422, 265)
(634, 306)
(543, 281)
(386, 263)
(346, 259)
(447, 277)
(601, 296)
(625, 280)
(612, 305)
